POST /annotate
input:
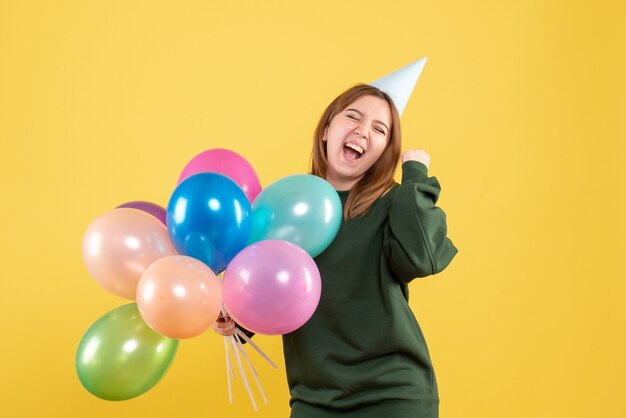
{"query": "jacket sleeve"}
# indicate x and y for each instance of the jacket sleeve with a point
(416, 242)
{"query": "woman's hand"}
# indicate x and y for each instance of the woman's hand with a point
(224, 326)
(416, 155)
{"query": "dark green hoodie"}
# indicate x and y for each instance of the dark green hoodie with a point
(362, 353)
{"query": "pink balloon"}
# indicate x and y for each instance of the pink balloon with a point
(271, 287)
(228, 163)
(120, 245)
(179, 296)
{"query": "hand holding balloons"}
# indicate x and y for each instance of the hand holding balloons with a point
(271, 286)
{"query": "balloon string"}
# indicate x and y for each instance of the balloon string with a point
(256, 347)
(232, 369)
(228, 371)
(243, 374)
(243, 351)
(254, 373)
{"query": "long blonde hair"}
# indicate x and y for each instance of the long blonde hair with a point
(379, 178)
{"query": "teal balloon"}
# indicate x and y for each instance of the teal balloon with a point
(121, 357)
(302, 209)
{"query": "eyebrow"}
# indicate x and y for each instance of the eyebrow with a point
(376, 120)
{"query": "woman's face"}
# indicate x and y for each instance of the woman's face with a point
(355, 139)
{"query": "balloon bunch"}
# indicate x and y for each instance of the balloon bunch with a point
(170, 262)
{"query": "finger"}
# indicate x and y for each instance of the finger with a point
(225, 329)
(223, 326)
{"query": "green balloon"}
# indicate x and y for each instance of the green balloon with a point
(302, 209)
(121, 357)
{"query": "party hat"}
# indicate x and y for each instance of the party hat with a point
(399, 84)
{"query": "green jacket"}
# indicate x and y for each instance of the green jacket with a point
(362, 353)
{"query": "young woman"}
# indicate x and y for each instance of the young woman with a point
(362, 353)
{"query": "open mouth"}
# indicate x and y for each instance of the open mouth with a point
(352, 152)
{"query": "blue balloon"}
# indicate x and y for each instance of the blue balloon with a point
(209, 218)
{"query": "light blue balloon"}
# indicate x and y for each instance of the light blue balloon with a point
(302, 209)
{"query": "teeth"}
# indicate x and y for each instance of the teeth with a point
(355, 147)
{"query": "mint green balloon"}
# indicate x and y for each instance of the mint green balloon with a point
(302, 209)
(121, 357)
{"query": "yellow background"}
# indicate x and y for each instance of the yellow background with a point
(522, 106)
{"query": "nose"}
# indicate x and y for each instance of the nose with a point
(362, 130)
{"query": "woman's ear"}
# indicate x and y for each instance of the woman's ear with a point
(324, 139)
